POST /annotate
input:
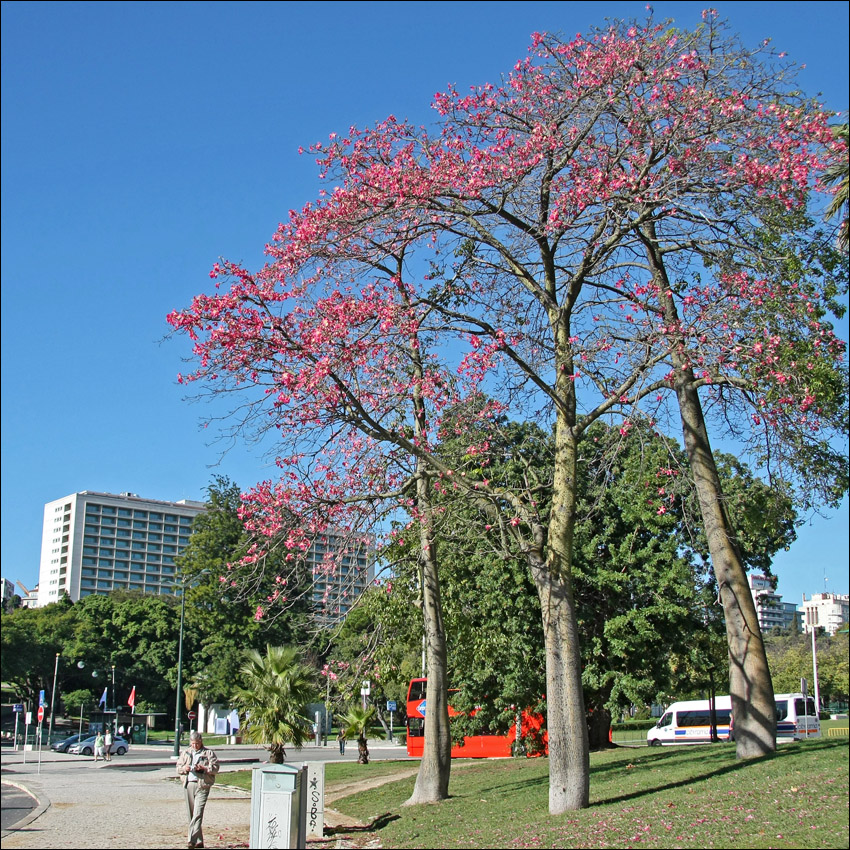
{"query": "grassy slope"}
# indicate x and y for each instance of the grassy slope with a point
(670, 797)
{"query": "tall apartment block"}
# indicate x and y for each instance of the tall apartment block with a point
(771, 610)
(98, 542)
(342, 569)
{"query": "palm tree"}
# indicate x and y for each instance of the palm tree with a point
(357, 721)
(837, 174)
(273, 697)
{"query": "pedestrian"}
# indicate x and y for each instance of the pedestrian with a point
(197, 768)
(98, 747)
(107, 743)
(341, 740)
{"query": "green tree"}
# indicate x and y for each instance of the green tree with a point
(791, 659)
(272, 693)
(648, 619)
(78, 699)
(356, 721)
(221, 619)
(30, 639)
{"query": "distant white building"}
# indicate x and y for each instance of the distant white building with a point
(8, 588)
(95, 543)
(829, 611)
(772, 611)
(99, 542)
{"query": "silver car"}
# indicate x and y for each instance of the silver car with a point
(86, 746)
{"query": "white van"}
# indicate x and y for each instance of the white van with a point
(689, 722)
(797, 718)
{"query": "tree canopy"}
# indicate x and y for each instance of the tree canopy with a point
(582, 243)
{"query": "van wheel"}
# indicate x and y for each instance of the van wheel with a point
(655, 743)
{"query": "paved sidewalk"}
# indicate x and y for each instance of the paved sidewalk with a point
(135, 803)
(124, 809)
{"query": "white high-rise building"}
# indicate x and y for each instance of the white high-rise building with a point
(772, 611)
(99, 542)
(829, 611)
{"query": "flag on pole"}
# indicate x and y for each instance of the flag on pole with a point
(103, 699)
(131, 700)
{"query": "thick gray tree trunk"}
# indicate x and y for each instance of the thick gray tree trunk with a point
(432, 781)
(569, 755)
(750, 685)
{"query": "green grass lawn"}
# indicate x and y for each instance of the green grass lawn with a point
(697, 797)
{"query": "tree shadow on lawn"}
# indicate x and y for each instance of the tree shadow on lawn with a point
(374, 825)
(668, 757)
(652, 759)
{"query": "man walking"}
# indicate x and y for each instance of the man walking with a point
(197, 768)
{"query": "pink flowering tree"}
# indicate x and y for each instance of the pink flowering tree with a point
(346, 370)
(522, 252)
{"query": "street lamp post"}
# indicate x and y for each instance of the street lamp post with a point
(177, 710)
(179, 675)
(53, 698)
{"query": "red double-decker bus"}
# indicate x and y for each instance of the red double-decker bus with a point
(473, 746)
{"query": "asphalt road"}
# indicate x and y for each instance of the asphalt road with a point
(16, 805)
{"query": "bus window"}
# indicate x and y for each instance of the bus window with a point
(781, 709)
(415, 727)
(417, 690)
(805, 707)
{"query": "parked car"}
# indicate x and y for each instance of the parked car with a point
(62, 746)
(86, 746)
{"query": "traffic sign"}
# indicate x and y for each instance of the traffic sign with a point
(192, 715)
(40, 713)
(18, 707)
(391, 705)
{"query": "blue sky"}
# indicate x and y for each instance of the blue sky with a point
(142, 141)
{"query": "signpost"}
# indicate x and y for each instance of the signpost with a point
(391, 707)
(18, 708)
(192, 715)
(40, 721)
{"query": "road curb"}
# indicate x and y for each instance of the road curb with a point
(42, 805)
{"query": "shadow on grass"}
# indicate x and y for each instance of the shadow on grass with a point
(699, 776)
(668, 756)
(373, 826)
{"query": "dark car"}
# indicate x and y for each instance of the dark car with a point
(86, 746)
(62, 746)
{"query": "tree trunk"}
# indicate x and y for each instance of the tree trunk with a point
(569, 761)
(750, 685)
(362, 751)
(432, 781)
(599, 728)
(380, 715)
(566, 723)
